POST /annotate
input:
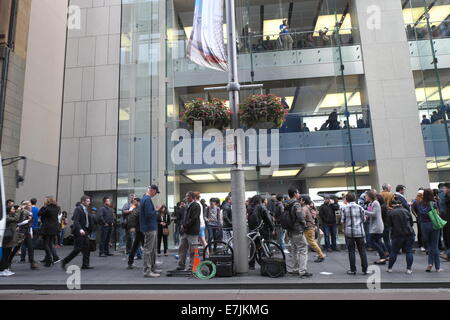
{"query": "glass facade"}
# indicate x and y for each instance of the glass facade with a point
(428, 31)
(316, 71)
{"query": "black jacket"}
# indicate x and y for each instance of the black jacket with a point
(191, 223)
(166, 219)
(227, 215)
(178, 215)
(257, 214)
(401, 222)
(106, 216)
(49, 220)
(79, 221)
(278, 211)
(133, 219)
(327, 214)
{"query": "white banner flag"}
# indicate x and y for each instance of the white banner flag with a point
(206, 45)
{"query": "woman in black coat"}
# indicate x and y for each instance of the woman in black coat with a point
(49, 229)
(163, 229)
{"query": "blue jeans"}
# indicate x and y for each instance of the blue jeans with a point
(61, 237)
(214, 233)
(387, 239)
(139, 250)
(281, 233)
(431, 238)
(378, 245)
(176, 234)
(368, 237)
(330, 230)
(406, 244)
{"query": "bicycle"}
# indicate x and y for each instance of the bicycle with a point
(266, 249)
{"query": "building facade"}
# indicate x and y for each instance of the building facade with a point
(382, 64)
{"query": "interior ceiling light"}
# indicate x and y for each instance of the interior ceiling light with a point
(363, 170)
(334, 100)
(438, 165)
(438, 14)
(286, 173)
(201, 177)
(432, 94)
(411, 15)
(223, 176)
(342, 170)
(329, 21)
(271, 28)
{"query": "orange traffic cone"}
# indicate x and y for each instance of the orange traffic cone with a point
(196, 260)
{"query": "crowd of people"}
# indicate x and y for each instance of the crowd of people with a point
(381, 222)
(288, 39)
(294, 123)
(437, 117)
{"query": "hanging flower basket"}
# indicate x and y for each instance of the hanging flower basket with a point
(212, 114)
(262, 112)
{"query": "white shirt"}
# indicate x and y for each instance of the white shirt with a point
(202, 221)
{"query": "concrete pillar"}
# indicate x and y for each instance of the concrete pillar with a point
(388, 87)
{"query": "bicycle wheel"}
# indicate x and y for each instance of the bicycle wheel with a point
(269, 250)
(251, 247)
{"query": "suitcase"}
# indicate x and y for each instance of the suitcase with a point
(273, 267)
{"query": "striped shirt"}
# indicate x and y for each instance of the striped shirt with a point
(353, 220)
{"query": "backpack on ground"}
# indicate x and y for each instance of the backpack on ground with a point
(287, 218)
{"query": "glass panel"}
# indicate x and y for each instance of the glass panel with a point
(428, 30)
(303, 67)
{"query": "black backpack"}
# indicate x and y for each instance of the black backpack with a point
(288, 218)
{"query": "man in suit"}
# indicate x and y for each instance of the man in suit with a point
(82, 227)
(191, 229)
(148, 220)
(106, 221)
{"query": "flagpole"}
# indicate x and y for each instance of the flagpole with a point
(239, 216)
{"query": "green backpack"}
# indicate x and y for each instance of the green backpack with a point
(436, 220)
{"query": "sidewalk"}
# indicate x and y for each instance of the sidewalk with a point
(111, 274)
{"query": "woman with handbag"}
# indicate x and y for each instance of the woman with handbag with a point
(49, 229)
(163, 229)
(9, 240)
(429, 233)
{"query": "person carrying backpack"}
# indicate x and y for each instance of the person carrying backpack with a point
(258, 213)
(293, 220)
(281, 233)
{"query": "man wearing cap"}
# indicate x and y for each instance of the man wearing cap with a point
(149, 227)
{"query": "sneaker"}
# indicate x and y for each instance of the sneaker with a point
(351, 273)
(306, 275)
(177, 257)
(152, 275)
(439, 270)
(408, 271)
(286, 251)
(9, 272)
(5, 274)
(422, 249)
(159, 254)
(318, 260)
(157, 271)
(158, 263)
(165, 254)
(131, 266)
(389, 270)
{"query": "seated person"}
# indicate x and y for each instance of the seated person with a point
(360, 124)
(425, 120)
